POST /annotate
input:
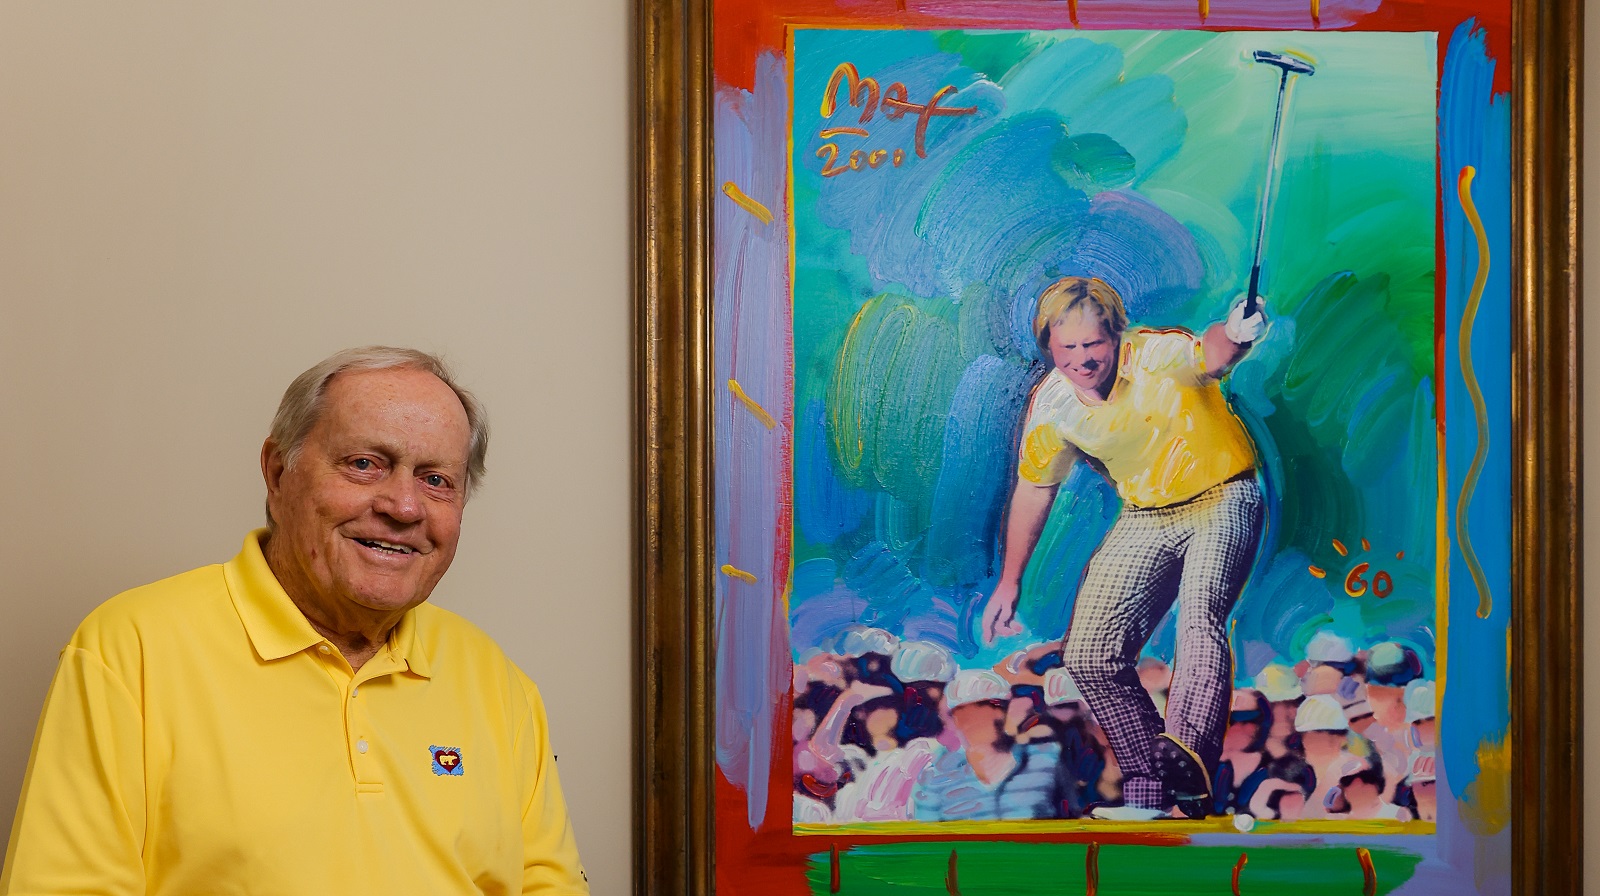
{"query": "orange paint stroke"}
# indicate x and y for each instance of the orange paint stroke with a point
(1091, 870)
(1318, 571)
(825, 133)
(1369, 875)
(952, 883)
(1354, 584)
(734, 572)
(745, 202)
(1072, 12)
(1382, 585)
(1238, 867)
(1316, 13)
(1480, 410)
(1366, 545)
(833, 868)
(751, 404)
(1205, 10)
(1399, 555)
(1339, 546)
(862, 91)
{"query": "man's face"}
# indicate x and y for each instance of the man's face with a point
(1083, 351)
(1322, 679)
(366, 521)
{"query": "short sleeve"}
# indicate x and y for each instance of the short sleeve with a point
(80, 823)
(1044, 456)
(550, 865)
(1170, 352)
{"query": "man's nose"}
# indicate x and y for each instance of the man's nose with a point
(398, 498)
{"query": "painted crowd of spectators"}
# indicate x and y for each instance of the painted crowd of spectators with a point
(891, 730)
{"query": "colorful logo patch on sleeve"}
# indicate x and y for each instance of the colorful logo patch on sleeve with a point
(446, 760)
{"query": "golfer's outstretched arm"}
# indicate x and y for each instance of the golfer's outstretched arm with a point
(1226, 341)
(1030, 507)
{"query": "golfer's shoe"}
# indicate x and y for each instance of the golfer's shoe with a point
(1184, 775)
(1126, 813)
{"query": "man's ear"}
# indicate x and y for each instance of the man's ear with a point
(272, 466)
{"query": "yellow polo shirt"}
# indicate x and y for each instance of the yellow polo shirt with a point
(1164, 435)
(201, 737)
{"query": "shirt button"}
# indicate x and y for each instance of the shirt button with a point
(354, 691)
(323, 648)
(361, 746)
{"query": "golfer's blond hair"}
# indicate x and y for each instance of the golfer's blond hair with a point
(1075, 294)
(303, 401)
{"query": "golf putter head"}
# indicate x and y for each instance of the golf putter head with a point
(1291, 65)
(1287, 65)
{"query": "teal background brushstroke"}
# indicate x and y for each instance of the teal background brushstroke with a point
(1083, 146)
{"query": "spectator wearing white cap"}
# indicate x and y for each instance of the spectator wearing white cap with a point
(1281, 686)
(1391, 667)
(1421, 786)
(1421, 713)
(1084, 751)
(990, 777)
(1324, 736)
(1330, 666)
(1024, 671)
(1047, 705)
(1282, 796)
(869, 649)
(1359, 794)
(1244, 759)
(925, 669)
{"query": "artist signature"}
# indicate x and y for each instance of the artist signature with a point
(894, 102)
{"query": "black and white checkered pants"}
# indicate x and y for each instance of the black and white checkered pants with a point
(1198, 553)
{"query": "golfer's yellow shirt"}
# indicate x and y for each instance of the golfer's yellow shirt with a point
(201, 737)
(1164, 435)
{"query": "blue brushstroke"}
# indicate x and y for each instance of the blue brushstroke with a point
(1474, 129)
(825, 506)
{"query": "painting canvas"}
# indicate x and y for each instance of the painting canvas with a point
(1112, 484)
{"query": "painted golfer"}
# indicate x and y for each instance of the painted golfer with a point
(1144, 406)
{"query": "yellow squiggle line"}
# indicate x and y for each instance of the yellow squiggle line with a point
(1479, 409)
(757, 409)
(746, 203)
(729, 569)
(1205, 10)
(1316, 12)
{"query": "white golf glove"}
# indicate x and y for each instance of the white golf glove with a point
(1242, 330)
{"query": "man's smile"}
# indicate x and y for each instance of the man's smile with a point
(386, 547)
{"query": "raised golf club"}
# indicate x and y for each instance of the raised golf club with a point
(1287, 65)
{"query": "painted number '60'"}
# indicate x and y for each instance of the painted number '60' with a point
(1355, 585)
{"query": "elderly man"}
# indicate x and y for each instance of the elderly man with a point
(297, 720)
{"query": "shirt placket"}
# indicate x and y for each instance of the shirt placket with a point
(360, 745)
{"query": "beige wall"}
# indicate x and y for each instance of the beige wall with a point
(199, 200)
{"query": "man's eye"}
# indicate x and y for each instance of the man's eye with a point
(435, 480)
(362, 463)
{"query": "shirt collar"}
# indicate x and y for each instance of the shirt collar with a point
(278, 629)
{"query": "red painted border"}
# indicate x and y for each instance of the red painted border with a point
(770, 861)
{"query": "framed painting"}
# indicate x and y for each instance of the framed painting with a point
(1108, 447)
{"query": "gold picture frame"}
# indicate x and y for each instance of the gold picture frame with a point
(674, 832)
